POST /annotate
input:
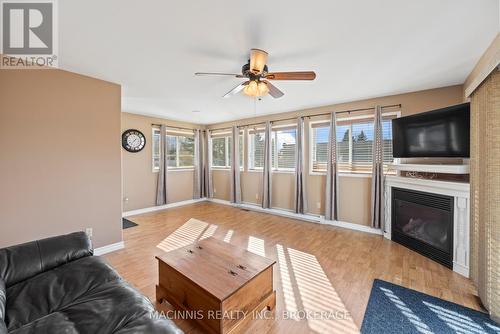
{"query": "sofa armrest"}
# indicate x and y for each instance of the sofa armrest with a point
(20, 262)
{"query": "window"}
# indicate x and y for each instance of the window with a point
(354, 143)
(156, 149)
(221, 150)
(180, 150)
(283, 142)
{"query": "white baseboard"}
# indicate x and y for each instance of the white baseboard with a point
(109, 248)
(254, 207)
(161, 207)
(305, 217)
(351, 226)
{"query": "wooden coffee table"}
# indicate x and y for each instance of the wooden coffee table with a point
(223, 286)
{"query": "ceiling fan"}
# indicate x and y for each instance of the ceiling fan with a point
(257, 73)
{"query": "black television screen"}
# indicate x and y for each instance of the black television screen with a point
(438, 133)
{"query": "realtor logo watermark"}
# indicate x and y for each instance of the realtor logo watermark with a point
(29, 34)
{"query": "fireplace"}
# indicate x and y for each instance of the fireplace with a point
(423, 222)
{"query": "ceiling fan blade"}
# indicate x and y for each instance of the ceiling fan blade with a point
(236, 89)
(216, 73)
(273, 90)
(258, 59)
(309, 75)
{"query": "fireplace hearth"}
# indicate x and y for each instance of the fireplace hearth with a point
(423, 222)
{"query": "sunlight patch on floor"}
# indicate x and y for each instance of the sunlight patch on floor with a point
(183, 236)
(318, 296)
(228, 236)
(286, 281)
(209, 231)
(256, 246)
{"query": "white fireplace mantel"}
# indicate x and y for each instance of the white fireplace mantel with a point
(459, 191)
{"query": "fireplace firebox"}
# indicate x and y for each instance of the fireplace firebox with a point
(423, 222)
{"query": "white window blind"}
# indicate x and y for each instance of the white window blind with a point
(354, 143)
(283, 142)
(156, 149)
(256, 150)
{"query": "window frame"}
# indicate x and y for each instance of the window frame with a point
(360, 173)
(174, 134)
(227, 137)
(274, 134)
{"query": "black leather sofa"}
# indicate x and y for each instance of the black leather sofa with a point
(56, 285)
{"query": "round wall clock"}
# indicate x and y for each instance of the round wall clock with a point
(133, 140)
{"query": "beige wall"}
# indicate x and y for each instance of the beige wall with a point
(139, 180)
(354, 190)
(60, 158)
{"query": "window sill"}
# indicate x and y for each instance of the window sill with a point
(176, 170)
(343, 174)
(274, 171)
(228, 169)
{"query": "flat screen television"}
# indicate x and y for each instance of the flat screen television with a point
(443, 133)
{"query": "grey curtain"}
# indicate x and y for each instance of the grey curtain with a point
(266, 174)
(161, 184)
(235, 195)
(377, 204)
(332, 176)
(209, 190)
(300, 198)
(198, 165)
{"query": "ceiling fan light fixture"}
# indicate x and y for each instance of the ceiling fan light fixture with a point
(258, 59)
(252, 89)
(263, 89)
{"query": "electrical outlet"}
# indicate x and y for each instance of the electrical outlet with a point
(318, 205)
(257, 196)
(125, 199)
(215, 190)
(88, 231)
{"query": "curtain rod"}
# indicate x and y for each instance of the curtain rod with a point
(174, 127)
(309, 116)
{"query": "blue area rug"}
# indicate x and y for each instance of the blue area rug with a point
(395, 309)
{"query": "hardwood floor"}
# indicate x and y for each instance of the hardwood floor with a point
(323, 271)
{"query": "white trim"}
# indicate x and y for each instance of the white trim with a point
(109, 248)
(433, 168)
(305, 217)
(351, 226)
(461, 212)
(161, 207)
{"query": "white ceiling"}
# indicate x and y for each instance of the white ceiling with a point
(358, 49)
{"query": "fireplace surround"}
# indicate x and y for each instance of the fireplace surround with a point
(442, 233)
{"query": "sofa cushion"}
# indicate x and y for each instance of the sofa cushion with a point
(83, 296)
(3, 300)
(55, 289)
(20, 262)
(114, 307)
